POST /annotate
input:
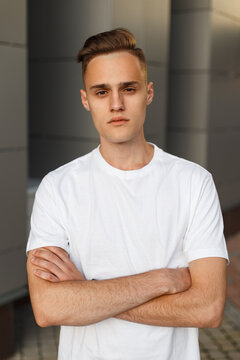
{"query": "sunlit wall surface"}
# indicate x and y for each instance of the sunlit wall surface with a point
(204, 90)
(60, 129)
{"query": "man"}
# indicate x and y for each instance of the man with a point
(130, 257)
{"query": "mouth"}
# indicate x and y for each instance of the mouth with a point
(118, 120)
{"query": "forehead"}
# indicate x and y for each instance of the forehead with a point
(114, 68)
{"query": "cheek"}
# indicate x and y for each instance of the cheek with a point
(138, 107)
(138, 101)
(99, 116)
(97, 110)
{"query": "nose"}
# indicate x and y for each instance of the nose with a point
(116, 101)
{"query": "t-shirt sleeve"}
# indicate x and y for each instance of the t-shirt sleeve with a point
(204, 236)
(47, 228)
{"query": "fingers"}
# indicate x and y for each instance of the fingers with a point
(178, 280)
(185, 278)
(50, 258)
(61, 253)
(46, 275)
(56, 262)
(49, 266)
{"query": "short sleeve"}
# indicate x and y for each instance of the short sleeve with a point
(46, 226)
(204, 236)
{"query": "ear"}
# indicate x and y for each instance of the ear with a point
(150, 93)
(84, 99)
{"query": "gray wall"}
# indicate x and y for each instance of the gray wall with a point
(60, 129)
(13, 146)
(204, 90)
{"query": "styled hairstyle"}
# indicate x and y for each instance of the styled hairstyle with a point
(107, 42)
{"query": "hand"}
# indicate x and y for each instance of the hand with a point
(171, 281)
(53, 264)
(178, 280)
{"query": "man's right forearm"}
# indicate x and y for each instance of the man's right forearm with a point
(86, 302)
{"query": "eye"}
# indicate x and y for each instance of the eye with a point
(129, 90)
(101, 92)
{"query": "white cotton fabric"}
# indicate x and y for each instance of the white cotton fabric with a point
(115, 223)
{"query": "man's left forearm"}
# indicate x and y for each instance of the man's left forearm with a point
(200, 306)
(177, 310)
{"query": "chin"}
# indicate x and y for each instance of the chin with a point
(119, 140)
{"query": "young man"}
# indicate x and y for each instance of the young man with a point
(130, 257)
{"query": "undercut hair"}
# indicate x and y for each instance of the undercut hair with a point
(107, 42)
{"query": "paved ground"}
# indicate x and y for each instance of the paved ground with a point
(34, 343)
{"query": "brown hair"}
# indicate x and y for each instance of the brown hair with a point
(119, 39)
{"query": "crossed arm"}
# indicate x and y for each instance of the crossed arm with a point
(165, 297)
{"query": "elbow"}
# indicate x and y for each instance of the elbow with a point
(213, 316)
(217, 311)
(216, 319)
(42, 318)
(214, 322)
(42, 322)
(43, 313)
(45, 320)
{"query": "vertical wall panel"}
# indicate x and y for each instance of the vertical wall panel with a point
(55, 106)
(191, 4)
(13, 21)
(223, 155)
(188, 86)
(13, 199)
(188, 101)
(130, 15)
(58, 28)
(191, 145)
(57, 151)
(13, 96)
(225, 50)
(226, 7)
(157, 23)
(190, 41)
(13, 146)
(155, 124)
(224, 109)
(15, 276)
(204, 90)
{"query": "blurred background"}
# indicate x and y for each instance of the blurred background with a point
(193, 55)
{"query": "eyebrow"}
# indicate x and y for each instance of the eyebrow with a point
(121, 84)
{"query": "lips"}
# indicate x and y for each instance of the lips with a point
(118, 119)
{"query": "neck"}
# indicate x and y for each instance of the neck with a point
(129, 155)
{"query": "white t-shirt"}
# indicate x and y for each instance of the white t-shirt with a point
(115, 223)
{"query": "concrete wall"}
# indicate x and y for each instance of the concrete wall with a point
(13, 147)
(60, 129)
(204, 90)
(224, 105)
